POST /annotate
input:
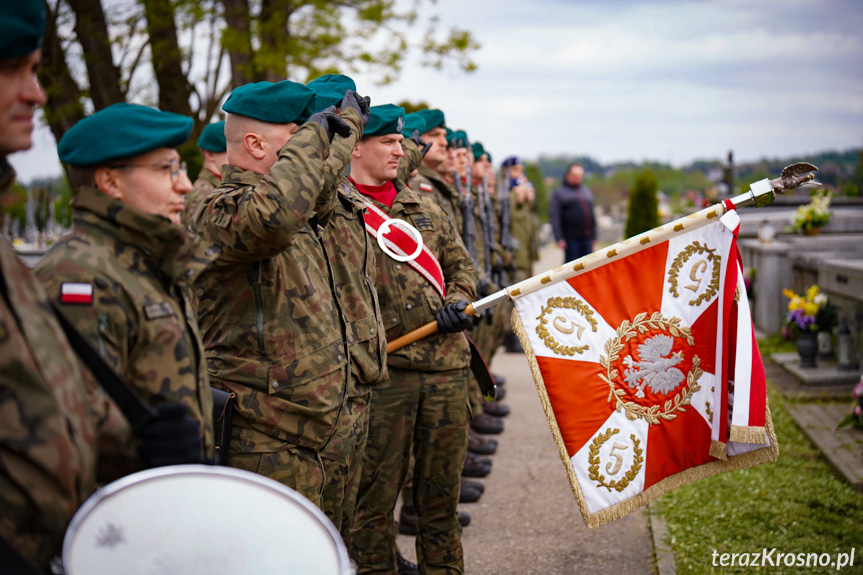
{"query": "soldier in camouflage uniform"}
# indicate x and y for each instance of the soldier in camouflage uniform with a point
(123, 275)
(348, 247)
(421, 407)
(274, 330)
(47, 439)
(56, 423)
(214, 151)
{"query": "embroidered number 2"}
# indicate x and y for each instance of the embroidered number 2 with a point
(559, 324)
(700, 265)
(618, 459)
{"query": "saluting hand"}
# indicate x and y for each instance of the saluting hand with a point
(421, 144)
(361, 104)
(331, 123)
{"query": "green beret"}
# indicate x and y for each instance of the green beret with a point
(478, 151)
(385, 119)
(330, 90)
(122, 131)
(212, 138)
(414, 122)
(433, 119)
(23, 27)
(280, 103)
(458, 139)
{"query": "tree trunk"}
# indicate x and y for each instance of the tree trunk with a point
(91, 30)
(174, 90)
(237, 40)
(64, 107)
(271, 61)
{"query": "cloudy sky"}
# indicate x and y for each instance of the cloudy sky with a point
(666, 80)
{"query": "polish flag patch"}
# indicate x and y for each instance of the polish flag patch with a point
(425, 187)
(74, 292)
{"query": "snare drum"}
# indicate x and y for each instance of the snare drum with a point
(198, 519)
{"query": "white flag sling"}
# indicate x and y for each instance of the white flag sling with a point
(632, 361)
(405, 245)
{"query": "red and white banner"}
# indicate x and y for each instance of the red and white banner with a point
(632, 360)
(404, 244)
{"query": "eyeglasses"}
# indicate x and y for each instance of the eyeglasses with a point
(174, 166)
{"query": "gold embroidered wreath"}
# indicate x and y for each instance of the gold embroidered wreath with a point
(593, 462)
(563, 303)
(673, 272)
(641, 324)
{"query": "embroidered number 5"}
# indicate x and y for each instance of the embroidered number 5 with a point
(618, 459)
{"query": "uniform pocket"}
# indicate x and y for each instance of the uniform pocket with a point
(364, 347)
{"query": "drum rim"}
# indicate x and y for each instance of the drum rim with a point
(195, 469)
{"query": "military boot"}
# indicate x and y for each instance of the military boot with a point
(404, 566)
(468, 494)
(487, 424)
(476, 466)
(479, 444)
(495, 408)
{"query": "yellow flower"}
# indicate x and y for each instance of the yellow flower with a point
(810, 309)
(812, 292)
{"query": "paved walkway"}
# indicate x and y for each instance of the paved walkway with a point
(527, 521)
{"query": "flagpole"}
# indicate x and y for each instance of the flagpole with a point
(760, 193)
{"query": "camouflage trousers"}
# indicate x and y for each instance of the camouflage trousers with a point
(300, 468)
(343, 458)
(329, 478)
(424, 413)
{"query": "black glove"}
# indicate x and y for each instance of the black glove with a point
(421, 144)
(452, 319)
(331, 123)
(359, 103)
(173, 438)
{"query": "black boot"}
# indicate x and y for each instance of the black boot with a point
(405, 567)
(408, 520)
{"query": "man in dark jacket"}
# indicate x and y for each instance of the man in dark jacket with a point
(571, 215)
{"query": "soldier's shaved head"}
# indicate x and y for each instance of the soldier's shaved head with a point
(255, 144)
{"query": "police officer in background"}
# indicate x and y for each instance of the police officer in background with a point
(273, 329)
(214, 151)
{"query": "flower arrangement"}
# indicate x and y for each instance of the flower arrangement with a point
(855, 418)
(811, 216)
(804, 311)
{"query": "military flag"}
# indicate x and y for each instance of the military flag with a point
(645, 360)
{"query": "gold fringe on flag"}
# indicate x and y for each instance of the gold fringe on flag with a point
(765, 454)
(748, 434)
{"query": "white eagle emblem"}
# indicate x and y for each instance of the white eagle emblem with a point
(654, 368)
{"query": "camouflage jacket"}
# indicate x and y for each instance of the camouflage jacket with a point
(352, 255)
(524, 227)
(273, 332)
(443, 193)
(207, 182)
(47, 439)
(140, 268)
(408, 301)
